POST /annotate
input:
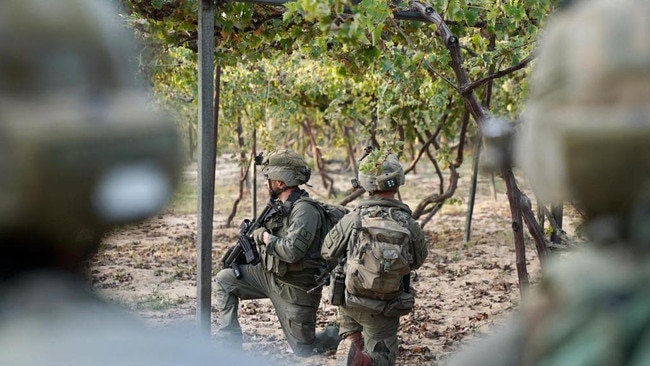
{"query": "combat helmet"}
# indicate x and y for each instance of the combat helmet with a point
(80, 151)
(586, 131)
(286, 166)
(379, 173)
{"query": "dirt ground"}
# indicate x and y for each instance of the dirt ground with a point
(462, 289)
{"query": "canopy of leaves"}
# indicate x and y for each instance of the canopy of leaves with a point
(340, 73)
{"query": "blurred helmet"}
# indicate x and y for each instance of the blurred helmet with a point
(286, 166)
(79, 148)
(385, 174)
(586, 135)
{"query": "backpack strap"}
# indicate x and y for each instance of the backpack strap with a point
(357, 229)
(357, 221)
(293, 197)
(320, 209)
(314, 255)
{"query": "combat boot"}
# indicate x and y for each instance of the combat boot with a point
(327, 339)
(350, 352)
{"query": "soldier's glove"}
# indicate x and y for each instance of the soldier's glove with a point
(258, 235)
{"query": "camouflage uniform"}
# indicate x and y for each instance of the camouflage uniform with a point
(80, 153)
(290, 264)
(379, 332)
(586, 138)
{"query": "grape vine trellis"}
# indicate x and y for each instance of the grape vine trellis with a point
(531, 11)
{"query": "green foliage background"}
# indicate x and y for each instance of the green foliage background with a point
(332, 64)
(318, 75)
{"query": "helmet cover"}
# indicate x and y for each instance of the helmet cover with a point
(586, 131)
(286, 166)
(384, 174)
(80, 149)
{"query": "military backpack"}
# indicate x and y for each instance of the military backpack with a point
(380, 255)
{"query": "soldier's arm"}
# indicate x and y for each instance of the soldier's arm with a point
(304, 225)
(420, 250)
(336, 241)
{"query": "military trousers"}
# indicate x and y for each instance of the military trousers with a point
(379, 333)
(295, 308)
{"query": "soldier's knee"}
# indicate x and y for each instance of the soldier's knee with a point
(383, 352)
(224, 280)
(224, 276)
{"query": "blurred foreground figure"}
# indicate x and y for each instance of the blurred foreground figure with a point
(79, 154)
(586, 138)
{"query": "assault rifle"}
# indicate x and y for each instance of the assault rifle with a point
(245, 250)
(322, 279)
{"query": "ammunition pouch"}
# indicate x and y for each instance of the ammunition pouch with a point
(336, 295)
(401, 305)
(273, 264)
(367, 305)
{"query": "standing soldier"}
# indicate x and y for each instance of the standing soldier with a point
(586, 138)
(80, 153)
(289, 245)
(376, 246)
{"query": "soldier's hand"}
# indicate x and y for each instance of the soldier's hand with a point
(258, 235)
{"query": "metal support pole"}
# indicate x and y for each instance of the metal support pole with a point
(254, 177)
(206, 164)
